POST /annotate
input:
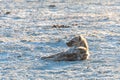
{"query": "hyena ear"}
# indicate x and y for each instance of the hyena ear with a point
(80, 38)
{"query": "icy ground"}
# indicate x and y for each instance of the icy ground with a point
(26, 34)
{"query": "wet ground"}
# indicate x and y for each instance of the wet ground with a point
(27, 33)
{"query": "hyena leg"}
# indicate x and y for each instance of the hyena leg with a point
(51, 56)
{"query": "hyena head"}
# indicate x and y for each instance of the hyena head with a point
(74, 41)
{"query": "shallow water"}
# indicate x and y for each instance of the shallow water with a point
(26, 34)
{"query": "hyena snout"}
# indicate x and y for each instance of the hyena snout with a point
(69, 44)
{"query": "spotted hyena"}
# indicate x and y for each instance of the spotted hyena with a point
(78, 51)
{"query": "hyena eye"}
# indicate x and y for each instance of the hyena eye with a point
(79, 38)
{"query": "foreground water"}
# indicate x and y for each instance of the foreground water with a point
(26, 34)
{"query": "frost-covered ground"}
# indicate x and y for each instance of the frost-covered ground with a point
(26, 34)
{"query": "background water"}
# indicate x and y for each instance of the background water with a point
(26, 34)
